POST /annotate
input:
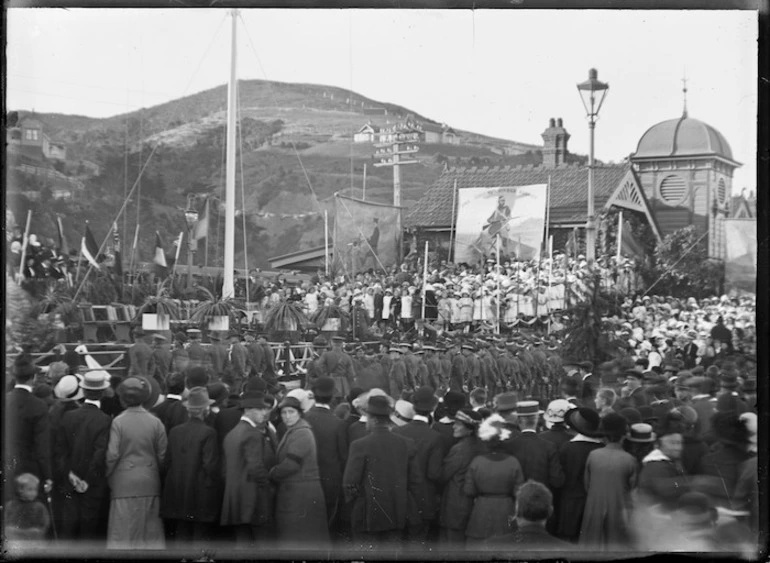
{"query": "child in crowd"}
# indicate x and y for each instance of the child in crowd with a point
(26, 518)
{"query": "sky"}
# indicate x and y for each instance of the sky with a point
(501, 73)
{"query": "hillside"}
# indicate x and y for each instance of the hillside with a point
(295, 152)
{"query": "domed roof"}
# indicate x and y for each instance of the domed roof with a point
(682, 137)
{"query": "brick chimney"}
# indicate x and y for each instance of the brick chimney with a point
(554, 143)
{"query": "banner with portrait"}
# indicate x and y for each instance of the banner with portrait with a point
(515, 213)
(365, 235)
(741, 254)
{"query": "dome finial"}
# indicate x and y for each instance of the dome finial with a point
(684, 94)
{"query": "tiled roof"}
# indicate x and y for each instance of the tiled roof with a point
(569, 190)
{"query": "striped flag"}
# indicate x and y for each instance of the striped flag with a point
(160, 255)
(88, 247)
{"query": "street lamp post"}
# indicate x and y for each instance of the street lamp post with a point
(592, 93)
(191, 218)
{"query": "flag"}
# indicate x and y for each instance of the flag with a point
(160, 255)
(629, 246)
(202, 227)
(89, 247)
(63, 246)
(116, 250)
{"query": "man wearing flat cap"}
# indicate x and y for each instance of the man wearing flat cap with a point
(161, 355)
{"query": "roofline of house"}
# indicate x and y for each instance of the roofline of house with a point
(700, 156)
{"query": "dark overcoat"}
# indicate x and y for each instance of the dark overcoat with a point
(572, 500)
(456, 506)
(429, 458)
(300, 508)
(330, 435)
(248, 455)
(27, 440)
(380, 474)
(539, 459)
(192, 488)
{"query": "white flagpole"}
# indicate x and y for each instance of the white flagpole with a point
(326, 241)
(228, 285)
(424, 279)
(178, 248)
(620, 234)
(24, 246)
(497, 298)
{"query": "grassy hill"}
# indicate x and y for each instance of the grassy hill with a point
(295, 152)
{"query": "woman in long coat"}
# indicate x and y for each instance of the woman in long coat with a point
(192, 494)
(135, 453)
(610, 475)
(300, 508)
(573, 456)
(491, 480)
(456, 506)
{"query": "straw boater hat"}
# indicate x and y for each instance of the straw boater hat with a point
(96, 380)
(528, 408)
(403, 413)
(68, 389)
(641, 432)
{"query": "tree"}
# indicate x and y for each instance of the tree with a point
(682, 267)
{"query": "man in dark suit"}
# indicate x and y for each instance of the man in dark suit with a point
(171, 411)
(452, 402)
(237, 359)
(430, 455)
(331, 445)
(534, 505)
(81, 445)
(539, 458)
(588, 384)
(27, 440)
(248, 455)
(140, 356)
(380, 474)
(636, 397)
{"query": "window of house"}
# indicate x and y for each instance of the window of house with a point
(721, 191)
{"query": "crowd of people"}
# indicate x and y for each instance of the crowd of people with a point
(427, 434)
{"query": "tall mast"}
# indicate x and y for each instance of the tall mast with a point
(228, 289)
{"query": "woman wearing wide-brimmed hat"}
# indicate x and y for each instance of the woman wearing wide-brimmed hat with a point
(573, 456)
(300, 507)
(610, 475)
(135, 453)
(456, 506)
(491, 480)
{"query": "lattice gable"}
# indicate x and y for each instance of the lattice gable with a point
(629, 195)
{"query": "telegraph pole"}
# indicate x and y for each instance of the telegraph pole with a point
(401, 142)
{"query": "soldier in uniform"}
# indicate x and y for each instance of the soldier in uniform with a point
(335, 363)
(195, 350)
(140, 356)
